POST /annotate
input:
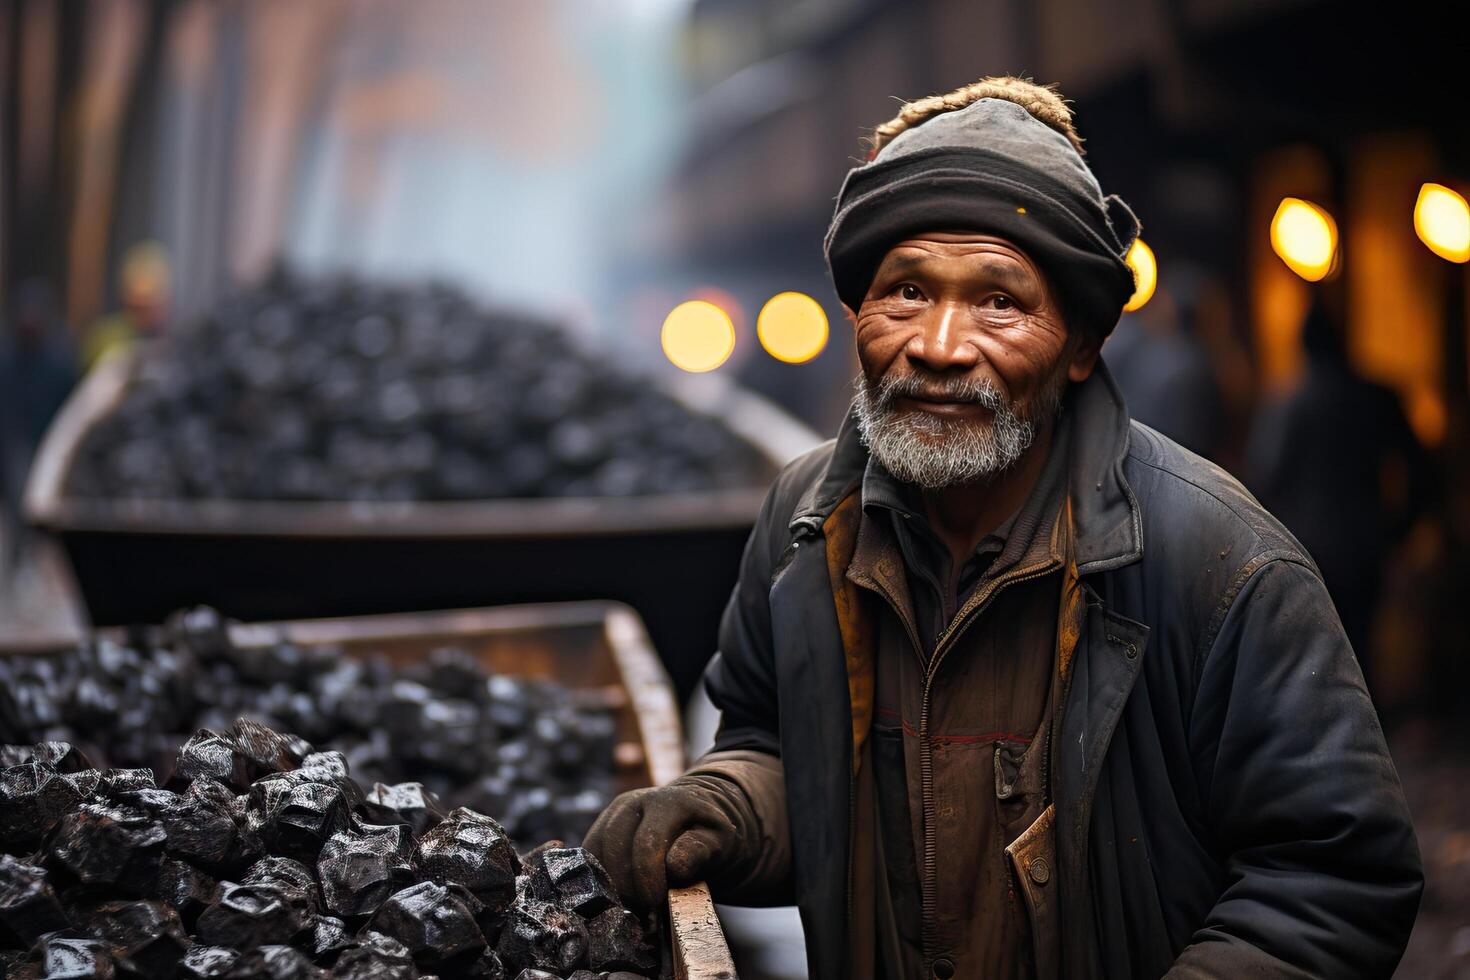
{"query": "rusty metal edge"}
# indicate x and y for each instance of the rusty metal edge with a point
(407, 626)
(98, 394)
(648, 686)
(700, 950)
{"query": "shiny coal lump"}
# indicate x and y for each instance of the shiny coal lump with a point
(184, 708)
(288, 878)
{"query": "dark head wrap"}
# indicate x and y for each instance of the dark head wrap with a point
(990, 167)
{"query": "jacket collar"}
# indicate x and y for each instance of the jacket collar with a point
(1107, 529)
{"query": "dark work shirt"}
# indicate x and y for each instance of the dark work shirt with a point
(925, 556)
(988, 707)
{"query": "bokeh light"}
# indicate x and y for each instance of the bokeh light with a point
(1442, 221)
(698, 336)
(1140, 259)
(792, 327)
(1305, 237)
(726, 301)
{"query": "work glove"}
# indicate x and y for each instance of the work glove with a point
(696, 828)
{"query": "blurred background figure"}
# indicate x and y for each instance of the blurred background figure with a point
(1335, 459)
(38, 366)
(36, 374)
(1165, 373)
(143, 299)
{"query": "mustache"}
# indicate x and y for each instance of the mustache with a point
(959, 390)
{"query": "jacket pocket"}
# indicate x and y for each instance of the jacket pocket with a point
(1033, 862)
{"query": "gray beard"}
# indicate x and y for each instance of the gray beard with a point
(935, 452)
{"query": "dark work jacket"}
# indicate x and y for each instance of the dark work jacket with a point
(1225, 803)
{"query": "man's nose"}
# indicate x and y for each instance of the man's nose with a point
(941, 343)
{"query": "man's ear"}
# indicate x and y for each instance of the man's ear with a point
(848, 312)
(1084, 357)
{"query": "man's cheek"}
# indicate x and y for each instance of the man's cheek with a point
(877, 348)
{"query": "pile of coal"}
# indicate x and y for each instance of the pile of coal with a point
(342, 390)
(538, 754)
(259, 857)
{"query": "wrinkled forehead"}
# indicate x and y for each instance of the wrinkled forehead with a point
(978, 253)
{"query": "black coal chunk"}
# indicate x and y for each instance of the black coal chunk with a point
(86, 782)
(295, 880)
(103, 844)
(151, 800)
(400, 845)
(405, 803)
(29, 907)
(579, 881)
(185, 889)
(33, 799)
(275, 963)
(200, 831)
(542, 935)
(471, 849)
(145, 938)
(202, 631)
(358, 873)
(57, 956)
(376, 957)
(431, 921)
(324, 768)
(61, 756)
(117, 781)
(328, 938)
(296, 819)
(247, 916)
(530, 973)
(207, 962)
(615, 941)
(265, 749)
(208, 753)
(487, 966)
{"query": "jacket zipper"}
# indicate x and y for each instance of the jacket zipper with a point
(962, 619)
(972, 607)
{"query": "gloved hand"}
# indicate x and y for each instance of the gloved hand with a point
(695, 828)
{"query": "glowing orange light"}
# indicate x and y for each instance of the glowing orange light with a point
(726, 301)
(1305, 236)
(1442, 221)
(697, 336)
(1140, 259)
(792, 327)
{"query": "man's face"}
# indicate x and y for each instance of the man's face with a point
(964, 356)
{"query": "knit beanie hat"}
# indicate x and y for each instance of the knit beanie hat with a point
(990, 167)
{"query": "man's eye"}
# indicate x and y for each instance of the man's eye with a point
(910, 292)
(1002, 302)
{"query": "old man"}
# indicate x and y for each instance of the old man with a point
(1012, 686)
